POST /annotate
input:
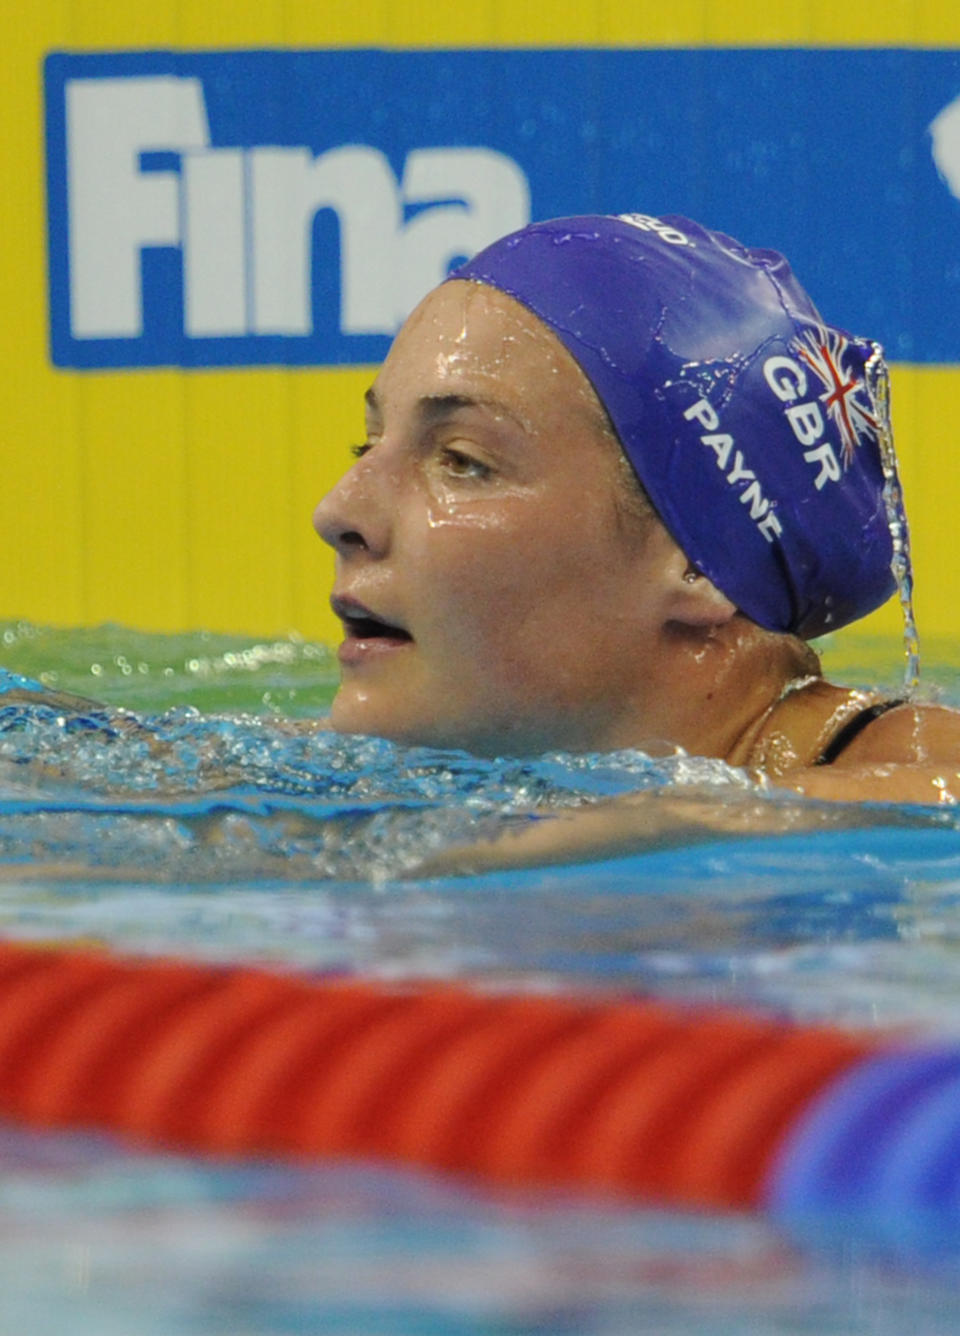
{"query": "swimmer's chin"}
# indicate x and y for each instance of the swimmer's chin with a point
(491, 743)
(348, 725)
(359, 719)
(352, 718)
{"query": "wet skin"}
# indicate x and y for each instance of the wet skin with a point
(497, 596)
(484, 519)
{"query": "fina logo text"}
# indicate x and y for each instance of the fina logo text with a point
(142, 173)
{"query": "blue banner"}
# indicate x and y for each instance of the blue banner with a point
(290, 207)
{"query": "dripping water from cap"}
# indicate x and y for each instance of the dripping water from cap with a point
(878, 386)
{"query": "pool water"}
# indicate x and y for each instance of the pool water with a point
(205, 825)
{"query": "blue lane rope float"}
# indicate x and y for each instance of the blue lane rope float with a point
(883, 1138)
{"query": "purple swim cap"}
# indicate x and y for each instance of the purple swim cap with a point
(755, 428)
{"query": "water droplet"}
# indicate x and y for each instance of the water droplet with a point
(878, 386)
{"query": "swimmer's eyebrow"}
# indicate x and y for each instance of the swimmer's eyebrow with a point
(434, 407)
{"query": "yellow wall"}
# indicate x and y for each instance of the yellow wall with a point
(171, 500)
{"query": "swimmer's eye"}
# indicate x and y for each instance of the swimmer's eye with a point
(358, 451)
(464, 466)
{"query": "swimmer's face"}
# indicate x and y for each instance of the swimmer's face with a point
(495, 595)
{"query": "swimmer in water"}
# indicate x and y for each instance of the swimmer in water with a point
(617, 473)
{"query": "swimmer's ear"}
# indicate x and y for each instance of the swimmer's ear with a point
(692, 598)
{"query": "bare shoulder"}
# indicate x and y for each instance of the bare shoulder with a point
(906, 735)
(910, 754)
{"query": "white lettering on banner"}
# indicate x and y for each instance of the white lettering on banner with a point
(288, 187)
(214, 244)
(115, 209)
(243, 217)
(945, 145)
(762, 511)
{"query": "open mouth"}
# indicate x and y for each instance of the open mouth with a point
(359, 623)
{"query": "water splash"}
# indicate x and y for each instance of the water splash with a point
(148, 671)
(184, 798)
(878, 387)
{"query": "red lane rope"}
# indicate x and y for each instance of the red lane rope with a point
(634, 1097)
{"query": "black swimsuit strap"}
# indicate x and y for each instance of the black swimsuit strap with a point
(853, 728)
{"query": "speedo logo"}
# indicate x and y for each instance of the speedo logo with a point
(647, 223)
(172, 243)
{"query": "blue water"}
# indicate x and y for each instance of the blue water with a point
(226, 834)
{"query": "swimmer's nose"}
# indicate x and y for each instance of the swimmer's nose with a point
(350, 517)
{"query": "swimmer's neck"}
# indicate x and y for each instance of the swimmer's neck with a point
(797, 727)
(753, 698)
(744, 695)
